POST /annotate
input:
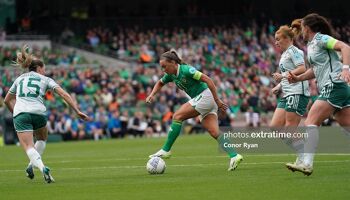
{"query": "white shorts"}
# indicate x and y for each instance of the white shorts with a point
(204, 103)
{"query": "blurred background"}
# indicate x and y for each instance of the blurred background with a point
(106, 53)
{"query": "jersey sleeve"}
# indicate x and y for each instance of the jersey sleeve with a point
(13, 88)
(192, 72)
(166, 79)
(297, 57)
(327, 42)
(51, 84)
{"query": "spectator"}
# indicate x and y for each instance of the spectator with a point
(114, 126)
(52, 125)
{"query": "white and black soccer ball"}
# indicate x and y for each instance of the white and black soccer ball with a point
(156, 165)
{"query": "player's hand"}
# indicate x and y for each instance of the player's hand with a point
(292, 78)
(345, 75)
(83, 116)
(149, 99)
(276, 89)
(277, 76)
(221, 105)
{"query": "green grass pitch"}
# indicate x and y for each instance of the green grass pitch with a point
(115, 169)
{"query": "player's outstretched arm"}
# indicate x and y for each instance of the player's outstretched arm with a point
(71, 103)
(155, 90)
(10, 101)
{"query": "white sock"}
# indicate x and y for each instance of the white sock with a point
(309, 159)
(35, 158)
(298, 146)
(311, 143)
(40, 147)
(96, 137)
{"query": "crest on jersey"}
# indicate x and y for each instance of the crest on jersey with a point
(193, 70)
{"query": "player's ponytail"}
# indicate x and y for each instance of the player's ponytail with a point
(27, 60)
(23, 59)
(296, 27)
(172, 55)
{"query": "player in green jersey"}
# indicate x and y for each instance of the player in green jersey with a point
(25, 101)
(204, 103)
(293, 105)
(332, 78)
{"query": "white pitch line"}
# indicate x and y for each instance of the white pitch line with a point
(177, 157)
(190, 165)
(184, 157)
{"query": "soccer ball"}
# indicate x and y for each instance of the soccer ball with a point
(155, 165)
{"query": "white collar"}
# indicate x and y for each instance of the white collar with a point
(178, 70)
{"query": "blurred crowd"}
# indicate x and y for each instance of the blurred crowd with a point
(49, 56)
(239, 60)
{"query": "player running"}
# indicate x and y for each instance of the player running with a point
(25, 101)
(332, 77)
(205, 102)
(293, 105)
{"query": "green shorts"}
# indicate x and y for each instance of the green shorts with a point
(296, 103)
(29, 122)
(336, 94)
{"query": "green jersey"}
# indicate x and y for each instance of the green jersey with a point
(187, 79)
(326, 62)
(290, 60)
(30, 89)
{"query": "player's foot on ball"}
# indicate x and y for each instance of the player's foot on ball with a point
(234, 162)
(30, 172)
(161, 153)
(305, 169)
(47, 176)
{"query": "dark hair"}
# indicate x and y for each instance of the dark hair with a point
(172, 55)
(26, 60)
(318, 23)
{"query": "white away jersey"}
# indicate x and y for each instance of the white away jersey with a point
(290, 60)
(30, 89)
(326, 62)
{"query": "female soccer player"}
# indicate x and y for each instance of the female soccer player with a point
(25, 101)
(204, 102)
(332, 77)
(293, 105)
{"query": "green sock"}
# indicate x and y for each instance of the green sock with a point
(229, 150)
(174, 131)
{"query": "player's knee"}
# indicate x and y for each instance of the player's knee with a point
(310, 122)
(213, 132)
(178, 116)
(41, 137)
(292, 123)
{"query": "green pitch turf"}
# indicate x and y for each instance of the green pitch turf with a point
(115, 169)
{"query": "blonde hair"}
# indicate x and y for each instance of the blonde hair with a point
(286, 32)
(27, 60)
